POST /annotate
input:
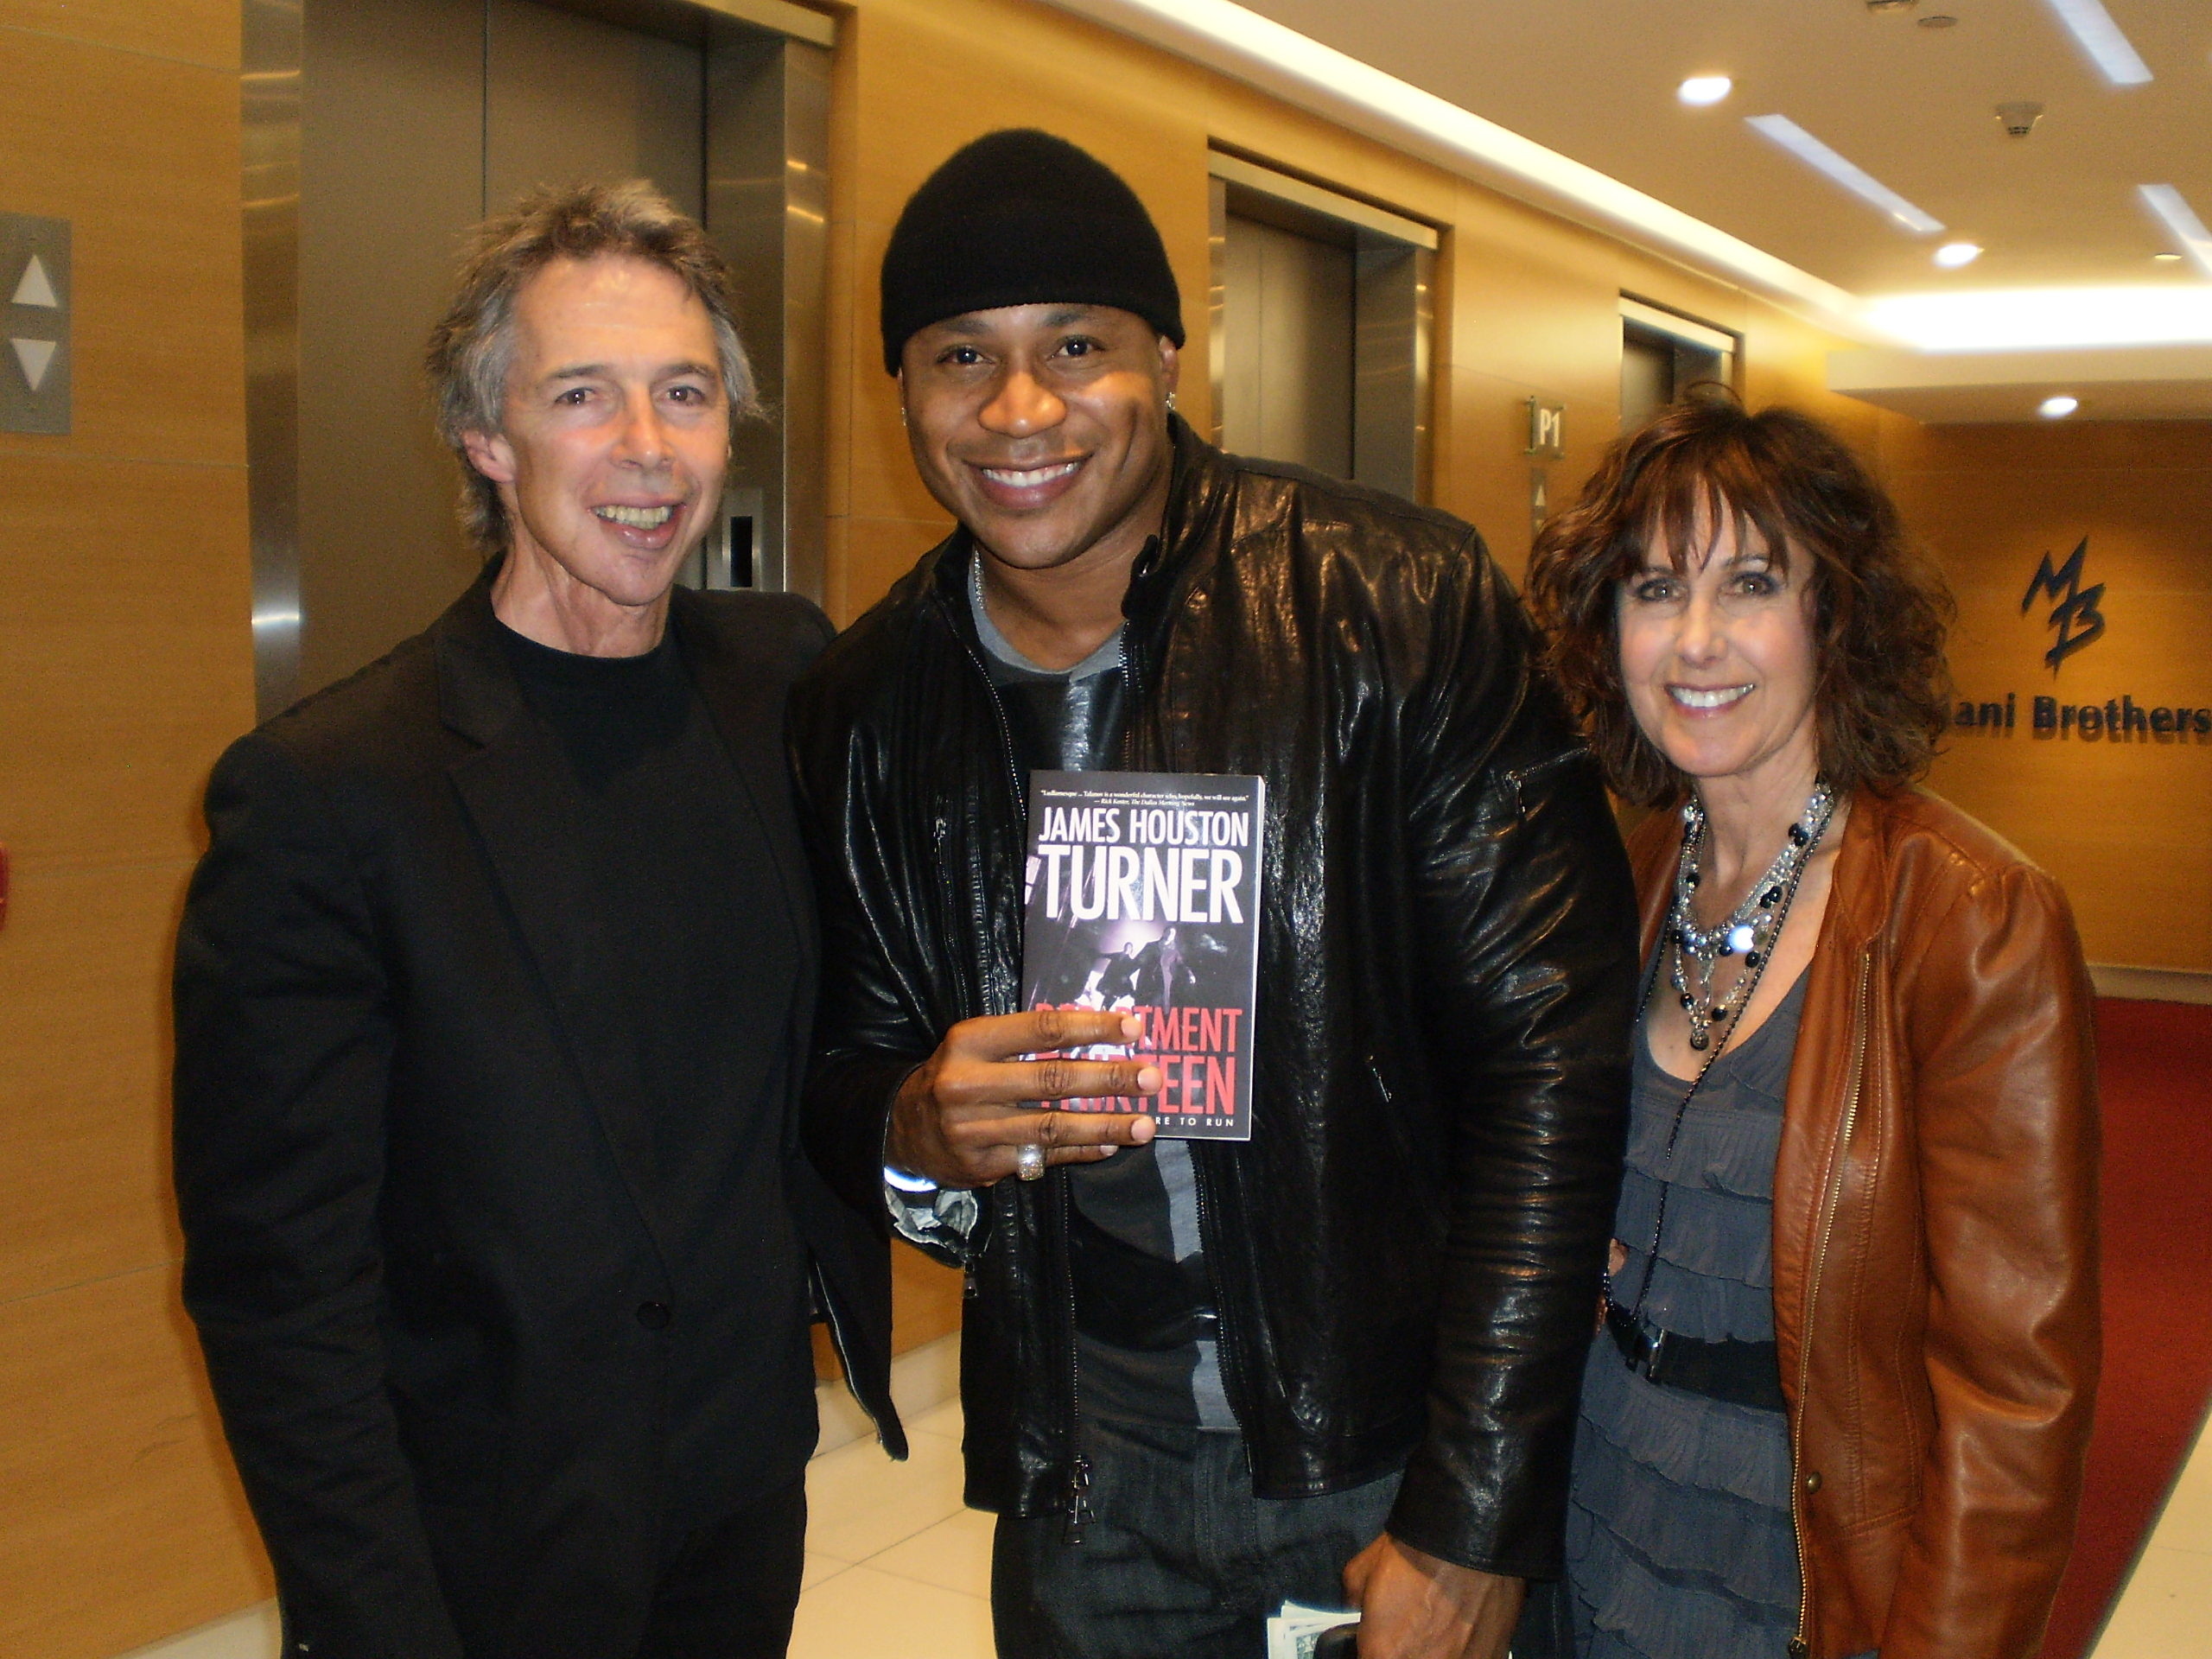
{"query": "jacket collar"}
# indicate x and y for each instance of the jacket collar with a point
(746, 706)
(1198, 493)
(1859, 892)
(478, 697)
(477, 694)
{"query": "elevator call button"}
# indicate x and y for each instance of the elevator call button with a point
(35, 369)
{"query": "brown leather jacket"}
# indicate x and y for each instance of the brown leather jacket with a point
(1935, 1236)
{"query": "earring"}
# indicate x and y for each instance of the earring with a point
(1171, 402)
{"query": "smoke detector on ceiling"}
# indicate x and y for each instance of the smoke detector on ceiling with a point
(2020, 119)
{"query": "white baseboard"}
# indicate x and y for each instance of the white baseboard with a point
(2151, 984)
(251, 1633)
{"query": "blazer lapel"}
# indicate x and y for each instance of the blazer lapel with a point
(520, 794)
(745, 700)
(747, 703)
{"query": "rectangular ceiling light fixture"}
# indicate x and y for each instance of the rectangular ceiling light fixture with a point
(2180, 219)
(2047, 319)
(1864, 185)
(2092, 25)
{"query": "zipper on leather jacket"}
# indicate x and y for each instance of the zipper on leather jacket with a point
(1078, 1481)
(838, 1340)
(1801, 1644)
(1079, 1478)
(1005, 739)
(1079, 1500)
(1232, 1379)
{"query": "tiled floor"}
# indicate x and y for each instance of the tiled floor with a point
(897, 1566)
(893, 1562)
(2166, 1610)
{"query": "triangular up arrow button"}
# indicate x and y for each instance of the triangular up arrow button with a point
(36, 288)
(36, 356)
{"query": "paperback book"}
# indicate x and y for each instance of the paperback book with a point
(1143, 894)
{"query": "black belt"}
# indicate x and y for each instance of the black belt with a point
(1741, 1373)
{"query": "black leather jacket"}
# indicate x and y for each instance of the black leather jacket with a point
(1406, 1254)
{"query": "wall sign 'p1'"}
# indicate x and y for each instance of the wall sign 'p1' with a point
(1546, 429)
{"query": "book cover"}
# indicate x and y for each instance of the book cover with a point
(1143, 893)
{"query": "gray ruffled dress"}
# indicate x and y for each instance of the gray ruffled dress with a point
(1680, 1541)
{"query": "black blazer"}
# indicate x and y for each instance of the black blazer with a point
(420, 1248)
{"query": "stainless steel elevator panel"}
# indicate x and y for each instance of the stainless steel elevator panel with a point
(1647, 376)
(1287, 304)
(572, 99)
(768, 209)
(390, 171)
(1393, 321)
(269, 111)
(376, 131)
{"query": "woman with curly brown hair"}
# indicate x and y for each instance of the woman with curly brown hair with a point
(1842, 1390)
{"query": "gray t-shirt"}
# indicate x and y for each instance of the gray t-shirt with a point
(1144, 1198)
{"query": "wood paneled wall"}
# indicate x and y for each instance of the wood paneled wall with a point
(125, 664)
(2120, 819)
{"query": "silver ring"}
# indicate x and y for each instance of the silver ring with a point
(1029, 1161)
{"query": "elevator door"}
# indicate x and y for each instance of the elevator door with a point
(1286, 388)
(1320, 327)
(417, 118)
(1665, 357)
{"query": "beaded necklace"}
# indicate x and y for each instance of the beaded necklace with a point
(1749, 930)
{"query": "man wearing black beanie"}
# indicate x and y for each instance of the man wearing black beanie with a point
(1338, 1362)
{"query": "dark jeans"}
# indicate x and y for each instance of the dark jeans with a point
(728, 1591)
(1179, 1557)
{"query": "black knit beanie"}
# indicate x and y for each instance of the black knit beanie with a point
(1021, 218)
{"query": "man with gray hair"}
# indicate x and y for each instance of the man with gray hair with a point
(492, 991)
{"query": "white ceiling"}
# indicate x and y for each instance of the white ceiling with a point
(1572, 104)
(1596, 79)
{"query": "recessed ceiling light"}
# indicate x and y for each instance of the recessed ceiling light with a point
(1705, 89)
(2181, 221)
(1952, 255)
(1864, 185)
(2055, 409)
(1938, 20)
(2092, 26)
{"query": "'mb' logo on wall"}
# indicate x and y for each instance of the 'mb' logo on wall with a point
(2074, 612)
